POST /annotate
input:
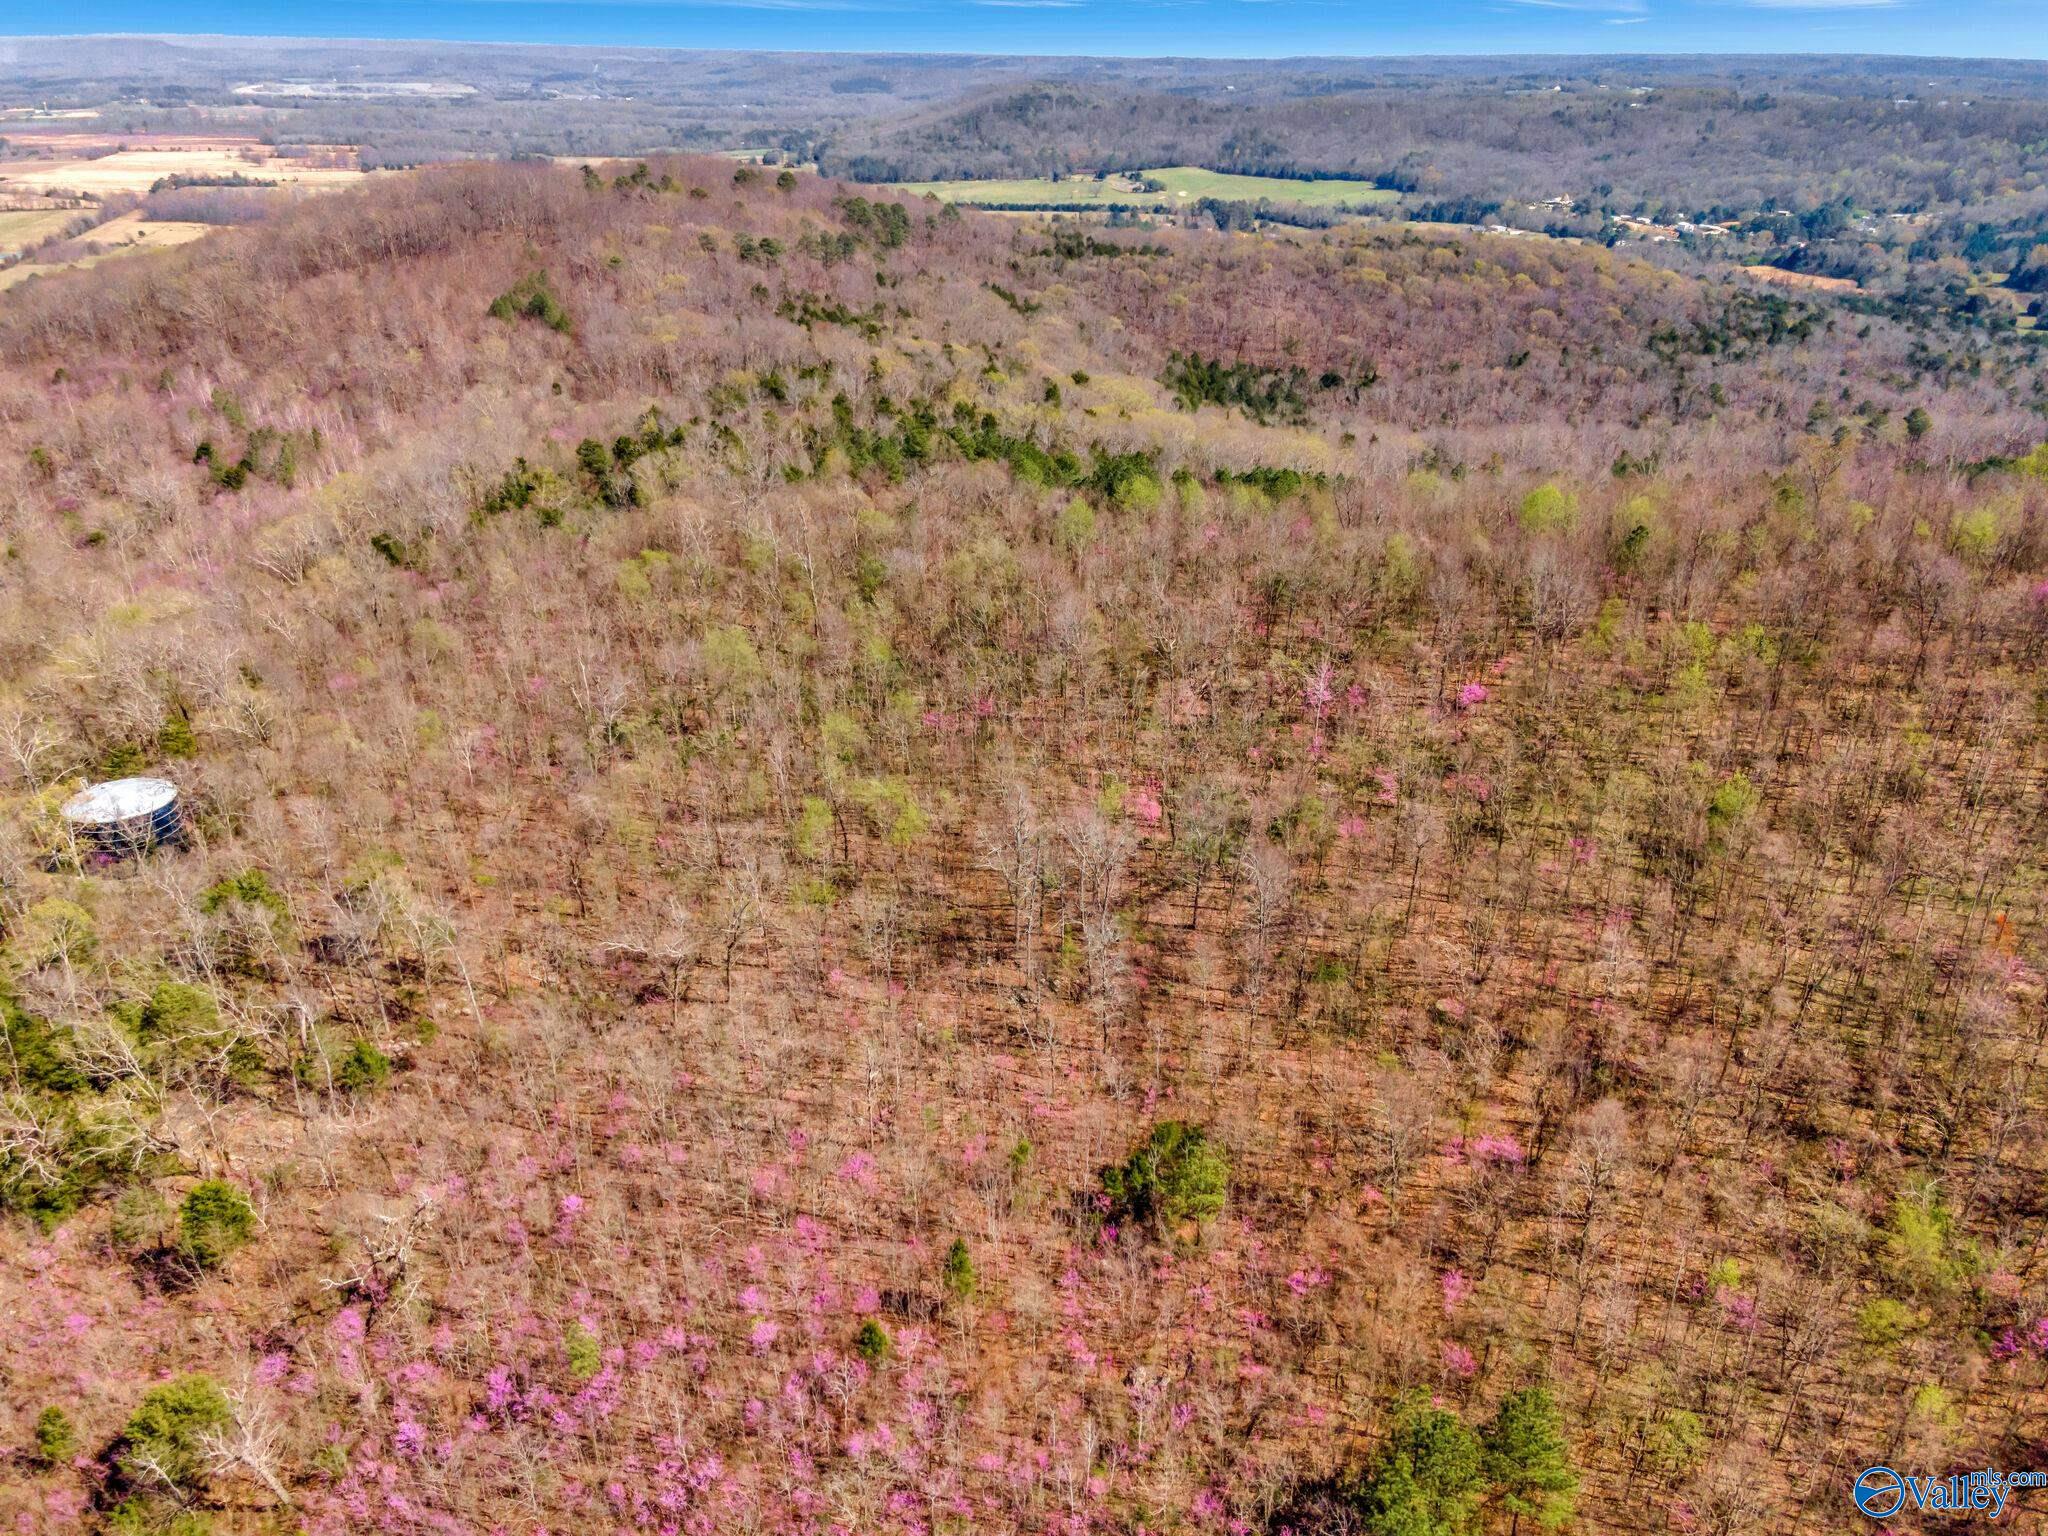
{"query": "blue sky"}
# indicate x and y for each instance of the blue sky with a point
(1216, 28)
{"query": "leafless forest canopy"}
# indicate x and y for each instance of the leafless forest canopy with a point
(855, 867)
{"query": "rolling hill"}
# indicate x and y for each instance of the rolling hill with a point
(858, 867)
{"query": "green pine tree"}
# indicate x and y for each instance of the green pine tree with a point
(55, 1440)
(1177, 1175)
(961, 1281)
(214, 1220)
(164, 1439)
(1426, 1480)
(1528, 1460)
(872, 1342)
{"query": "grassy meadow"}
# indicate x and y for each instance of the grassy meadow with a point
(1183, 183)
(23, 227)
(129, 233)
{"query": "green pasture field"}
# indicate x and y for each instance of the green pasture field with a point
(1183, 184)
(24, 227)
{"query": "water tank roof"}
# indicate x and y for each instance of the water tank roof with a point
(120, 800)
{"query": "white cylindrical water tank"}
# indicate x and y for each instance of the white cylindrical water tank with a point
(124, 816)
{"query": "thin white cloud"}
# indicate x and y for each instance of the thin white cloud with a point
(1822, 5)
(1626, 7)
(737, 5)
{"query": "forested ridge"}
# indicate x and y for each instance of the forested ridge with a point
(1686, 144)
(856, 867)
(1919, 189)
(1920, 180)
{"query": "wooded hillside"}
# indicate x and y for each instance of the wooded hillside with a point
(856, 867)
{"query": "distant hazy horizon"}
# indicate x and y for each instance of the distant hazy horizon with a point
(2011, 29)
